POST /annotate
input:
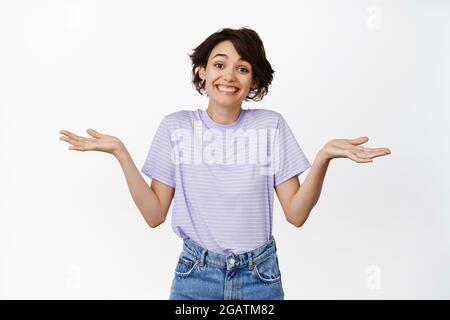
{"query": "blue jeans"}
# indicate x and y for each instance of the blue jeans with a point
(201, 274)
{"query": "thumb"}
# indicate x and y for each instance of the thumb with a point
(93, 133)
(359, 140)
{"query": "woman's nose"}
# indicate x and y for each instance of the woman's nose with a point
(229, 76)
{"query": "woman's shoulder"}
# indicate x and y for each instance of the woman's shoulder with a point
(180, 115)
(184, 117)
(265, 114)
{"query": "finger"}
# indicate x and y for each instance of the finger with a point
(82, 146)
(365, 155)
(77, 148)
(386, 150)
(63, 138)
(75, 140)
(371, 154)
(75, 145)
(358, 159)
(366, 152)
(78, 143)
(379, 155)
(70, 140)
(93, 133)
(71, 135)
(377, 152)
(359, 140)
(82, 139)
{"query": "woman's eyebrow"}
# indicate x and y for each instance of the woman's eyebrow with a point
(224, 55)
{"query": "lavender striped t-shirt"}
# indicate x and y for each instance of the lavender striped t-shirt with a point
(224, 175)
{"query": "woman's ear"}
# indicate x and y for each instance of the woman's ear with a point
(202, 72)
(254, 85)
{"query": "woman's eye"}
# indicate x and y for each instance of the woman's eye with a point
(221, 65)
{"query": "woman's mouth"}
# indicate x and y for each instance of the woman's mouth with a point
(228, 90)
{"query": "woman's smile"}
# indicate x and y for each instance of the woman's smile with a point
(227, 90)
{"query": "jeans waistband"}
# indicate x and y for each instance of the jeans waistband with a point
(230, 260)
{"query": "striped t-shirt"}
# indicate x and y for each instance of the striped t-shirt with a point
(224, 175)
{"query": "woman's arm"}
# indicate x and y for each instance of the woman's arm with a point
(297, 202)
(152, 201)
(297, 205)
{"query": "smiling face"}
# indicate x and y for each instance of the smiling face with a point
(228, 78)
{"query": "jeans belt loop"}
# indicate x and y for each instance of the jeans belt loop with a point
(202, 258)
(250, 261)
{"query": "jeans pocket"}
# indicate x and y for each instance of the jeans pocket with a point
(268, 269)
(186, 265)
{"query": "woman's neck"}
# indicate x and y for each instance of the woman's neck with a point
(223, 115)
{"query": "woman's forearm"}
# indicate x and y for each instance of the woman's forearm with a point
(143, 196)
(306, 197)
(304, 200)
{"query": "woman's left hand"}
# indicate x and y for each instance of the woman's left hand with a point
(350, 148)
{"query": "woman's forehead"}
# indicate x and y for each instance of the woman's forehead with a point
(226, 50)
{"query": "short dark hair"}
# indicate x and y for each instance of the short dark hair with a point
(249, 46)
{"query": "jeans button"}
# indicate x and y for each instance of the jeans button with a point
(231, 261)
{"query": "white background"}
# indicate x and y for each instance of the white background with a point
(68, 226)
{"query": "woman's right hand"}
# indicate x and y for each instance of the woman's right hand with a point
(99, 142)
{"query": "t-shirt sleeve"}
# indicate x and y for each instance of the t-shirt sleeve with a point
(158, 165)
(289, 157)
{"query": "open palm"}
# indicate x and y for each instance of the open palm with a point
(350, 148)
(99, 142)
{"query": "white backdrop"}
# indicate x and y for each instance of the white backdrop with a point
(68, 226)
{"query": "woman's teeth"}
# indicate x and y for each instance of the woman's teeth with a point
(226, 88)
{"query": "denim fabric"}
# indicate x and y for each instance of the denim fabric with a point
(201, 274)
